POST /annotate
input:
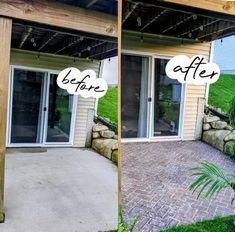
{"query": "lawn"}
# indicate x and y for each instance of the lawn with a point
(222, 224)
(222, 92)
(108, 105)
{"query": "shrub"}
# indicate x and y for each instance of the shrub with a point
(231, 111)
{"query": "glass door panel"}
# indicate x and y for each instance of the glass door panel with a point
(167, 101)
(60, 105)
(26, 106)
(134, 96)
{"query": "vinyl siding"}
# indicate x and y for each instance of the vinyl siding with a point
(152, 45)
(58, 63)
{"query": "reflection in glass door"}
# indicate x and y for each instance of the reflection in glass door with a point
(134, 96)
(60, 105)
(167, 102)
(26, 106)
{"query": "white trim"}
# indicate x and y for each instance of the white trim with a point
(154, 139)
(44, 116)
(9, 108)
(149, 93)
(182, 95)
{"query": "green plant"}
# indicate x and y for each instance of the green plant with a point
(231, 111)
(211, 180)
(123, 227)
(218, 224)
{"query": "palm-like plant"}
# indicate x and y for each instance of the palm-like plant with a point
(211, 180)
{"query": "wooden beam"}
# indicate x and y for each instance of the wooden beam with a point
(102, 50)
(207, 12)
(60, 15)
(153, 19)
(198, 27)
(129, 12)
(176, 24)
(101, 53)
(95, 45)
(91, 3)
(225, 7)
(69, 44)
(46, 41)
(219, 30)
(25, 36)
(5, 47)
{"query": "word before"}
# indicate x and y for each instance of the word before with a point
(82, 83)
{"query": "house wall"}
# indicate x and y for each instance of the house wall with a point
(170, 47)
(57, 63)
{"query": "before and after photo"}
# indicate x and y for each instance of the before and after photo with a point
(117, 115)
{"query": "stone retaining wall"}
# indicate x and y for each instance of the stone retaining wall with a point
(219, 134)
(105, 142)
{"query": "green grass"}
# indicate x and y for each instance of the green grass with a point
(222, 91)
(222, 224)
(108, 105)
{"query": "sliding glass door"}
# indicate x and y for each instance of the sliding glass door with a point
(134, 96)
(40, 112)
(151, 102)
(167, 101)
(59, 113)
(26, 106)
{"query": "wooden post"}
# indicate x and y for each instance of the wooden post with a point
(5, 47)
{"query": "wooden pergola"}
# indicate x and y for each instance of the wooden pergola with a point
(83, 29)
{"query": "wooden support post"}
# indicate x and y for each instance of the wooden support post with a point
(5, 47)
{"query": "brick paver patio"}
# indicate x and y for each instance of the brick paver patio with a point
(155, 181)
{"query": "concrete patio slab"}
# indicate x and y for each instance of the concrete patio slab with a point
(155, 181)
(61, 190)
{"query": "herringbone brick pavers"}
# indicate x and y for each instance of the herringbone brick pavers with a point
(155, 181)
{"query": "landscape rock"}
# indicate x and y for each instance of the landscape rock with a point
(115, 136)
(229, 148)
(99, 127)
(95, 135)
(206, 126)
(210, 118)
(230, 137)
(228, 128)
(107, 134)
(115, 156)
(115, 146)
(104, 146)
(215, 138)
(219, 125)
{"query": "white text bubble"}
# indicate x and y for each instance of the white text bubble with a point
(82, 83)
(195, 70)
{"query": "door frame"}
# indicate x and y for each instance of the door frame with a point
(150, 106)
(182, 96)
(45, 102)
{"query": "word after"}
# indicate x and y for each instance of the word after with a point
(82, 83)
(195, 70)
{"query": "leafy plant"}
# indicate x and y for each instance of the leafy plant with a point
(231, 111)
(211, 180)
(123, 227)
